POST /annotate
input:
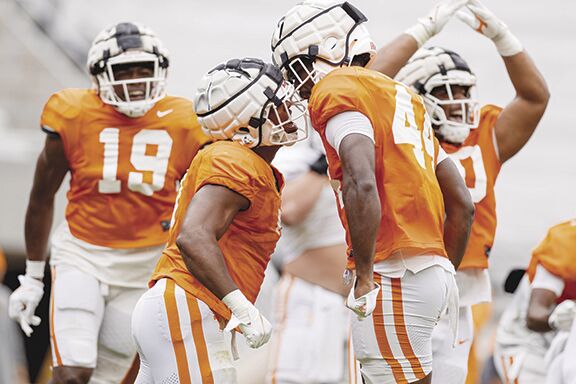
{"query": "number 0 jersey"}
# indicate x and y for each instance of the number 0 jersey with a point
(251, 236)
(124, 170)
(478, 161)
(406, 158)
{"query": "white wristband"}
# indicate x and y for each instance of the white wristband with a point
(508, 44)
(419, 33)
(35, 269)
(236, 301)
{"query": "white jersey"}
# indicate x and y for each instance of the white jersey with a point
(321, 227)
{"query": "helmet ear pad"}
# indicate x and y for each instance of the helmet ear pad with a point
(126, 44)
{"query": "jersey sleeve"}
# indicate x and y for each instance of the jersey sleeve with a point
(61, 115)
(341, 93)
(230, 170)
(556, 252)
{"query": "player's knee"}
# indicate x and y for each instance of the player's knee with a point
(71, 375)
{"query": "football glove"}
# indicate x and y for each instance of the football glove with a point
(562, 316)
(431, 24)
(23, 302)
(365, 304)
(483, 21)
(253, 325)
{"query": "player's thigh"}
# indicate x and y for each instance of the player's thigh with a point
(178, 338)
(450, 362)
(395, 343)
(76, 313)
(116, 348)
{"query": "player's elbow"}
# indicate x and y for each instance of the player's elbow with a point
(187, 241)
(461, 206)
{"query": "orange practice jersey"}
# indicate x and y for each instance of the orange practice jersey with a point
(478, 161)
(252, 235)
(557, 254)
(406, 158)
(124, 170)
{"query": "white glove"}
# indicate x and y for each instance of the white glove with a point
(255, 327)
(562, 316)
(364, 305)
(483, 21)
(432, 23)
(23, 302)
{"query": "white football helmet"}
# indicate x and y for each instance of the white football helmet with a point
(128, 43)
(248, 101)
(319, 36)
(434, 67)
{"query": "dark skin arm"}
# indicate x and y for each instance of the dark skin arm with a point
(208, 216)
(362, 205)
(51, 167)
(393, 56)
(521, 116)
(542, 303)
(459, 210)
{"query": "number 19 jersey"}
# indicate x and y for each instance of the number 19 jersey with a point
(124, 171)
(406, 157)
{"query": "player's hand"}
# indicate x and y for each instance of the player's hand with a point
(254, 326)
(483, 21)
(562, 316)
(362, 298)
(23, 302)
(431, 24)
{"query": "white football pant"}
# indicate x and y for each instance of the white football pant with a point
(178, 339)
(394, 344)
(450, 364)
(90, 324)
(311, 336)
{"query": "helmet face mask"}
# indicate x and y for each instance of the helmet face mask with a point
(129, 49)
(248, 101)
(448, 88)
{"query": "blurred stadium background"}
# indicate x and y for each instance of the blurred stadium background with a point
(43, 44)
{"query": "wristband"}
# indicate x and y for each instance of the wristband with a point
(508, 44)
(237, 303)
(419, 33)
(35, 269)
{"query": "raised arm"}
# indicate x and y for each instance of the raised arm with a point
(521, 116)
(394, 55)
(459, 210)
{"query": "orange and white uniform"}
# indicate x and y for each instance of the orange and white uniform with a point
(519, 353)
(124, 175)
(176, 323)
(478, 161)
(394, 344)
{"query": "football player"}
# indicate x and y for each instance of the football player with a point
(225, 226)
(311, 256)
(543, 305)
(479, 140)
(126, 145)
(393, 188)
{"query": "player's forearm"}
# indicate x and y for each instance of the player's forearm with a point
(37, 227)
(537, 318)
(205, 261)
(456, 233)
(393, 56)
(527, 80)
(362, 205)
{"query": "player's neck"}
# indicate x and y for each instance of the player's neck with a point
(267, 153)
